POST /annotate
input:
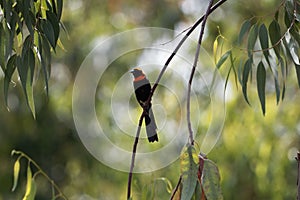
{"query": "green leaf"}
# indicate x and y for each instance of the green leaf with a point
(264, 41)
(198, 191)
(48, 31)
(211, 181)
(25, 66)
(252, 38)
(55, 25)
(298, 73)
(244, 29)
(276, 83)
(223, 59)
(261, 85)
(246, 73)
(215, 47)
(240, 72)
(275, 37)
(10, 68)
(189, 170)
(30, 185)
(59, 8)
(44, 50)
(16, 174)
(2, 47)
(288, 18)
(283, 65)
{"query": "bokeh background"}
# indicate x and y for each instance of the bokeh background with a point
(255, 153)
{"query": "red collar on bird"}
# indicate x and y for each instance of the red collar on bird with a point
(139, 78)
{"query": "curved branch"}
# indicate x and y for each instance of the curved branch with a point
(218, 4)
(193, 72)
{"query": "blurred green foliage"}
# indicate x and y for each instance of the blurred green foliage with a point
(255, 154)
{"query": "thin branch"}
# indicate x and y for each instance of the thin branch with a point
(40, 171)
(193, 72)
(176, 188)
(133, 154)
(218, 4)
(195, 25)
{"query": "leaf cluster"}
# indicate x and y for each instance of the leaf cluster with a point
(31, 185)
(29, 31)
(270, 49)
(200, 177)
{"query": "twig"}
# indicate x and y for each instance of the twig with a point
(40, 171)
(133, 155)
(193, 72)
(176, 188)
(213, 8)
(219, 3)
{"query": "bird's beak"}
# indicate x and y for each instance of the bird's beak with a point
(131, 71)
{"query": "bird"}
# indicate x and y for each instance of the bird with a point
(142, 88)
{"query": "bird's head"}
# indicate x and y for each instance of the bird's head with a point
(137, 72)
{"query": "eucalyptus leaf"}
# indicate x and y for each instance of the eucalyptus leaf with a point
(16, 174)
(244, 29)
(10, 68)
(211, 181)
(275, 37)
(223, 59)
(261, 85)
(189, 170)
(264, 41)
(252, 37)
(245, 77)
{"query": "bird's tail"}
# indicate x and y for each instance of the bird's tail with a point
(151, 126)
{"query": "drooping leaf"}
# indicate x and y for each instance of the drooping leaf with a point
(48, 31)
(10, 68)
(252, 38)
(59, 8)
(276, 83)
(16, 174)
(215, 47)
(246, 73)
(292, 48)
(282, 63)
(189, 170)
(261, 85)
(198, 195)
(55, 25)
(223, 59)
(240, 71)
(211, 181)
(44, 50)
(30, 185)
(275, 37)
(26, 72)
(232, 61)
(2, 48)
(288, 16)
(298, 73)
(244, 29)
(264, 41)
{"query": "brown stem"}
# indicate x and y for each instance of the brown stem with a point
(193, 72)
(195, 25)
(133, 155)
(219, 3)
(176, 188)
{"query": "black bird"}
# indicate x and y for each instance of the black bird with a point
(142, 89)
